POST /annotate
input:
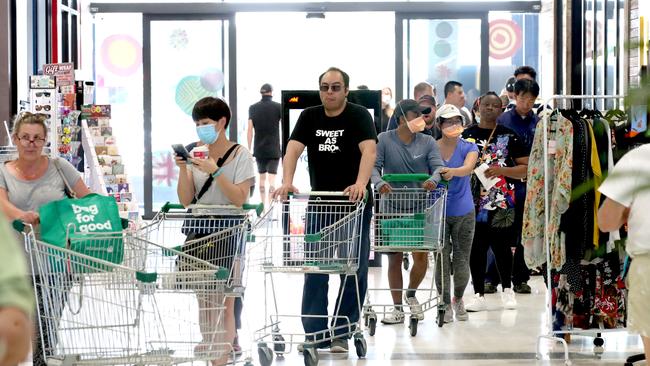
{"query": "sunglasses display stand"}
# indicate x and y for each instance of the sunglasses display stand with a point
(45, 101)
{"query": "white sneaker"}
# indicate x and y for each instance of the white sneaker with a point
(459, 309)
(477, 304)
(396, 316)
(508, 299)
(416, 308)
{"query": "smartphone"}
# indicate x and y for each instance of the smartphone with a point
(181, 151)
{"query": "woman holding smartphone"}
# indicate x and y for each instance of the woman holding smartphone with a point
(225, 176)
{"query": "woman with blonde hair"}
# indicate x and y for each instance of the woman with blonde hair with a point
(32, 180)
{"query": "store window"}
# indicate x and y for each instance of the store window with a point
(513, 42)
(188, 62)
(118, 77)
(603, 44)
(69, 38)
(440, 50)
(290, 51)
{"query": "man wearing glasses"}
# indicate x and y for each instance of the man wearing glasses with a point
(341, 147)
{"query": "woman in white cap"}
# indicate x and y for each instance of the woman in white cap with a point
(459, 157)
(501, 161)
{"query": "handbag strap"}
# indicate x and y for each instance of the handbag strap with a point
(68, 189)
(208, 182)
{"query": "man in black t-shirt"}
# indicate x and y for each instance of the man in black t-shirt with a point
(341, 140)
(264, 122)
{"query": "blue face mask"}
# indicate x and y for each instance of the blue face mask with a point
(207, 134)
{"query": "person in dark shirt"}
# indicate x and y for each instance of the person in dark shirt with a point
(523, 120)
(505, 159)
(264, 123)
(341, 144)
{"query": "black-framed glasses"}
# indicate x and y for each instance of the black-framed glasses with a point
(45, 107)
(335, 88)
(43, 94)
(37, 140)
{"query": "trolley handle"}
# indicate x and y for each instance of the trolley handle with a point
(259, 208)
(323, 193)
(405, 177)
(18, 225)
(410, 178)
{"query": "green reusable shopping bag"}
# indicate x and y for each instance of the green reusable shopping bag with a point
(402, 231)
(90, 225)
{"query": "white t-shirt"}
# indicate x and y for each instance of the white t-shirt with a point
(237, 170)
(629, 185)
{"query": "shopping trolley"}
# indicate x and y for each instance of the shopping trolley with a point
(115, 298)
(407, 220)
(308, 233)
(215, 234)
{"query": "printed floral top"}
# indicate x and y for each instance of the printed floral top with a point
(496, 206)
(560, 164)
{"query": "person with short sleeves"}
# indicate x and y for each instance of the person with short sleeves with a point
(340, 138)
(229, 173)
(505, 160)
(628, 198)
(459, 157)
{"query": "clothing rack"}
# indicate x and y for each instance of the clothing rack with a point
(553, 334)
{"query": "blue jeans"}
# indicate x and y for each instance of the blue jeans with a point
(314, 292)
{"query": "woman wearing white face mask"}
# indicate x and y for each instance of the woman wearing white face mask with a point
(459, 157)
(225, 176)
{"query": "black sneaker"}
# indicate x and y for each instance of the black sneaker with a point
(522, 288)
(489, 288)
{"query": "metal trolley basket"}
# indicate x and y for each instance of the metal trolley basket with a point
(408, 220)
(115, 298)
(315, 233)
(213, 234)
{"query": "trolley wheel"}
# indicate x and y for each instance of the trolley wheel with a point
(441, 317)
(360, 345)
(278, 345)
(413, 326)
(406, 262)
(265, 354)
(310, 355)
(598, 347)
(372, 326)
(599, 342)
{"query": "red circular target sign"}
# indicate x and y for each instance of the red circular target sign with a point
(505, 38)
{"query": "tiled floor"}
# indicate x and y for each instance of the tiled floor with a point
(494, 337)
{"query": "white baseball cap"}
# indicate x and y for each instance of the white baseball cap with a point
(448, 111)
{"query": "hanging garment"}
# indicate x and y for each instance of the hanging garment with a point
(614, 235)
(577, 222)
(597, 181)
(560, 130)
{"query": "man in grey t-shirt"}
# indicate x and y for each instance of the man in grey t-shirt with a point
(405, 151)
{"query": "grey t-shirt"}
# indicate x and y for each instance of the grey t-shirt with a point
(30, 195)
(238, 170)
(421, 156)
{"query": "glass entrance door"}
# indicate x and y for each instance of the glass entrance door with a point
(441, 50)
(187, 61)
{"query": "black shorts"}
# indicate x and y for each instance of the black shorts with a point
(267, 165)
(217, 245)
